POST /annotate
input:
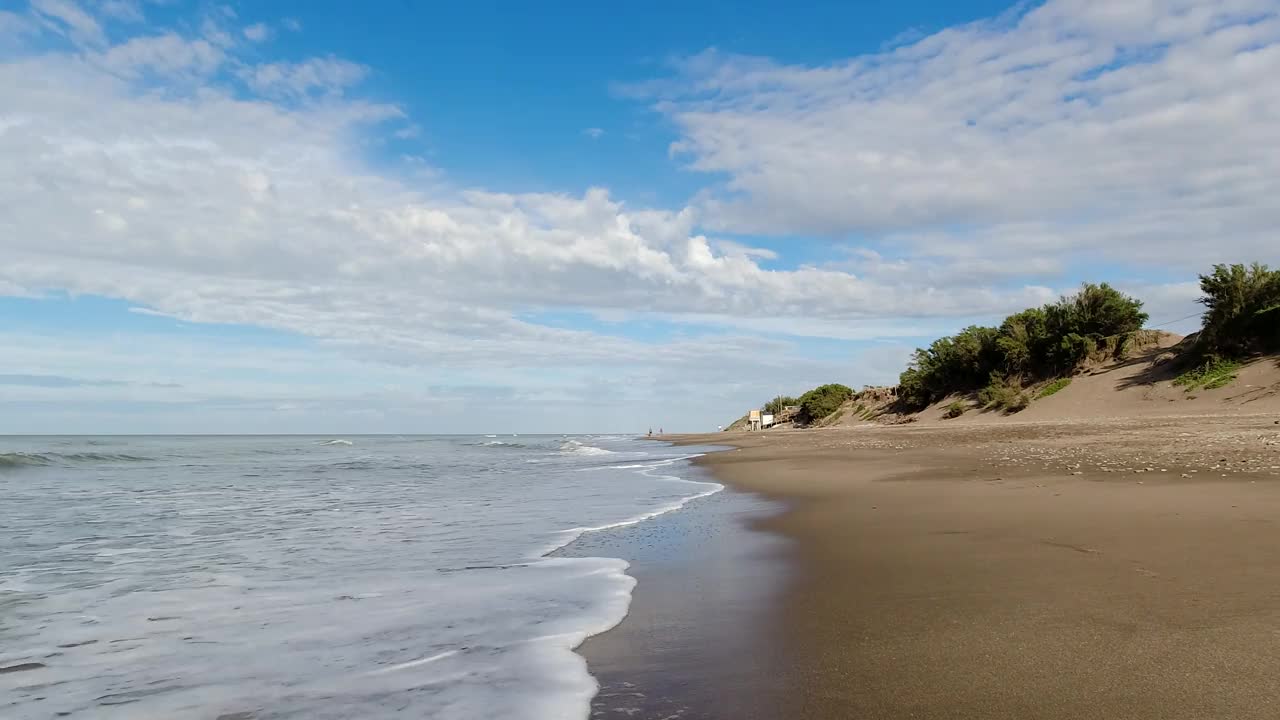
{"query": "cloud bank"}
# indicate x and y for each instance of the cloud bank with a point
(959, 175)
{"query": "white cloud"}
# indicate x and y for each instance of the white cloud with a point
(167, 55)
(68, 18)
(728, 247)
(1136, 131)
(124, 10)
(328, 75)
(292, 24)
(257, 32)
(222, 209)
(594, 133)
(203, 200)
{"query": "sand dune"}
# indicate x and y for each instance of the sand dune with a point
(1140, 385)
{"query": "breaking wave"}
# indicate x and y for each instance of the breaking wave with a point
(573, 447)
(23, 459)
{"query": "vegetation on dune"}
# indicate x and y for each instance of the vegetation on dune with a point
(1038, 342)
(1242, 311)
(822, 401)
(1001, 394)
(1211, 375)
(776, 405)
(1048, 343)
(1053, 387)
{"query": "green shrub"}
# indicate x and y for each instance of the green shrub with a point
(1039, 342)
(1017, 403)
(1213, 374)
(822, 401)
(1053, 387)
(1001, 394)
(1241, 310)
(955, 410)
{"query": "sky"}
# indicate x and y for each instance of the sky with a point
(399, 217)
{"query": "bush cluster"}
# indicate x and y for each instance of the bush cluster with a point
(1000, 394)
(1242, 310)
(822, 401)
(1035, 343)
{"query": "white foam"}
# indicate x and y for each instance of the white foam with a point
(710, 488)
(419, 599)
(336, 442)
(415, 663)
(574, 447)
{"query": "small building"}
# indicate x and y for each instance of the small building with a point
(766, 420)
(787, 414)
(754, 419)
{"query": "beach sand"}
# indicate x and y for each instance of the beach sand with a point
(1108, 569)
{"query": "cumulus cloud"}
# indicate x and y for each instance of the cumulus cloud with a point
(218, 208)
(1137, 131)
(962, 171)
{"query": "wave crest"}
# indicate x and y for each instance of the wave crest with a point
(24, 459)
(573, 447)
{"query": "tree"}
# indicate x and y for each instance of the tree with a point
(822, 401)
(775, 406)
(1240, 310)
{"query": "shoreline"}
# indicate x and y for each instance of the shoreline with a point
(703, 573)
(1116, 568)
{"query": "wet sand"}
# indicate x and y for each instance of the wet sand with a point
(706, 583)
(1118, 569)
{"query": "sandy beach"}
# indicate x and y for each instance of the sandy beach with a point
(1125, 568)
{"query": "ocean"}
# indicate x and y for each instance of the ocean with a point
(315, 577)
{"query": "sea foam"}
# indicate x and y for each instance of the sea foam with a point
(407, 577)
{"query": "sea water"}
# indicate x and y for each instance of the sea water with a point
(309, 577)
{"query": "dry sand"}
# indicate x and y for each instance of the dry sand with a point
(1126, 568)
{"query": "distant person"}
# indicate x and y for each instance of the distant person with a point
(650, 432)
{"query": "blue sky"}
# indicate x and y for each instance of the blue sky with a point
(307, 217)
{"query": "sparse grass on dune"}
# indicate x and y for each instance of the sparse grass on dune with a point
(1212, 375)
(1053, 387)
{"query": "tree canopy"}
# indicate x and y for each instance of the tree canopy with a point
(1242, 310)
(1037, 342)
